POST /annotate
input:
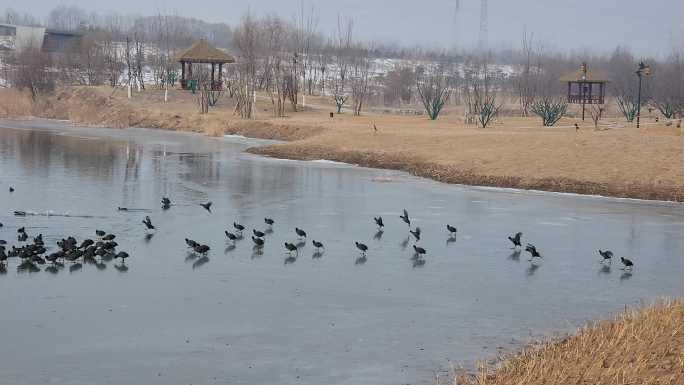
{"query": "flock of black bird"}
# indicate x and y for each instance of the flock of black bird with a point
(34, 254)
(102, 250)
(259, 240)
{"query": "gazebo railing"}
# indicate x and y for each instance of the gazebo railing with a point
(189, 84)
(588, 99)
(217, 85)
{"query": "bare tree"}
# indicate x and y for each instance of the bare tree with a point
(247, 41)
(479, 93)
(342, 62)
(32, 72)
(293, 79)
(129, 65)
(304, 38)
(550, 110)
(91, 56)
(113, 65)
(624, 83)
(360, 78)
(399, 84)
(139, 59)
(433, 88)
(66, 18)
(668, 95)
(527, 79)
(596, 114)
(278, 75)
(12, 16)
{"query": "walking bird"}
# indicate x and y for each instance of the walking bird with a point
(291, 247)
(166, 203)
(516, 239)
(231, 236)
(258, 234)
(269, 221)
(419, 250)
(406, 218)
(378, 221)
(191, 244)
(607, 255)
(530, 248)
(148, 223)
(627, 263)
(238, 227)
(259, 242)
(451, 229)
(300, 233)
(361, 247)
(201, 249)
(317, 245)
(100, 233)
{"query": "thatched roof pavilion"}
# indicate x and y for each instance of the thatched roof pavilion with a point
(201, 52)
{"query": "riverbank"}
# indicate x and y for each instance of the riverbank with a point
(644, 346)
(617, 160)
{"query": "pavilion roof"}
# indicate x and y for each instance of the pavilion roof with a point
(588, 76)
(203, 52)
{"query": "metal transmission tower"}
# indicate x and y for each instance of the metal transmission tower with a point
(456, 25)
(483, 40)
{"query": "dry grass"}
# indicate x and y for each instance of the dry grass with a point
(622, 162)
(639, 347)
(617, 160)
(15, 103)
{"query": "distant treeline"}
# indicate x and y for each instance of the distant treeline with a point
(286, 58)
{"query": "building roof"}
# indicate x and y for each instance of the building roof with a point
(203, 52)
(63, 32)
(585, 76)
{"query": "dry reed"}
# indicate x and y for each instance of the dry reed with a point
(643, 346)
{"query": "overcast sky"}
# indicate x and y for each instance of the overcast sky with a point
(649, 27)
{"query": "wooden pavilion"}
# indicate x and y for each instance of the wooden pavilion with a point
(585, 87)
(203, 53)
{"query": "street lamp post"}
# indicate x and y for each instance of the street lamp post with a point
(641, 71)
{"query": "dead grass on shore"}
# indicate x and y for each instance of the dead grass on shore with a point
(15, 103)
(640, 347)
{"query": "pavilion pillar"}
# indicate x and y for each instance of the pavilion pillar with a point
(190, 69)
(220, 74)
(213, 68)
(182, 71)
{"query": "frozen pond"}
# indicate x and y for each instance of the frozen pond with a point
(241, 317)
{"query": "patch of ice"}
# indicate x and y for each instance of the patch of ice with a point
(325, 161)
(235, 137)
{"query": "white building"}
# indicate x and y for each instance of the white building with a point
(19, 37)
